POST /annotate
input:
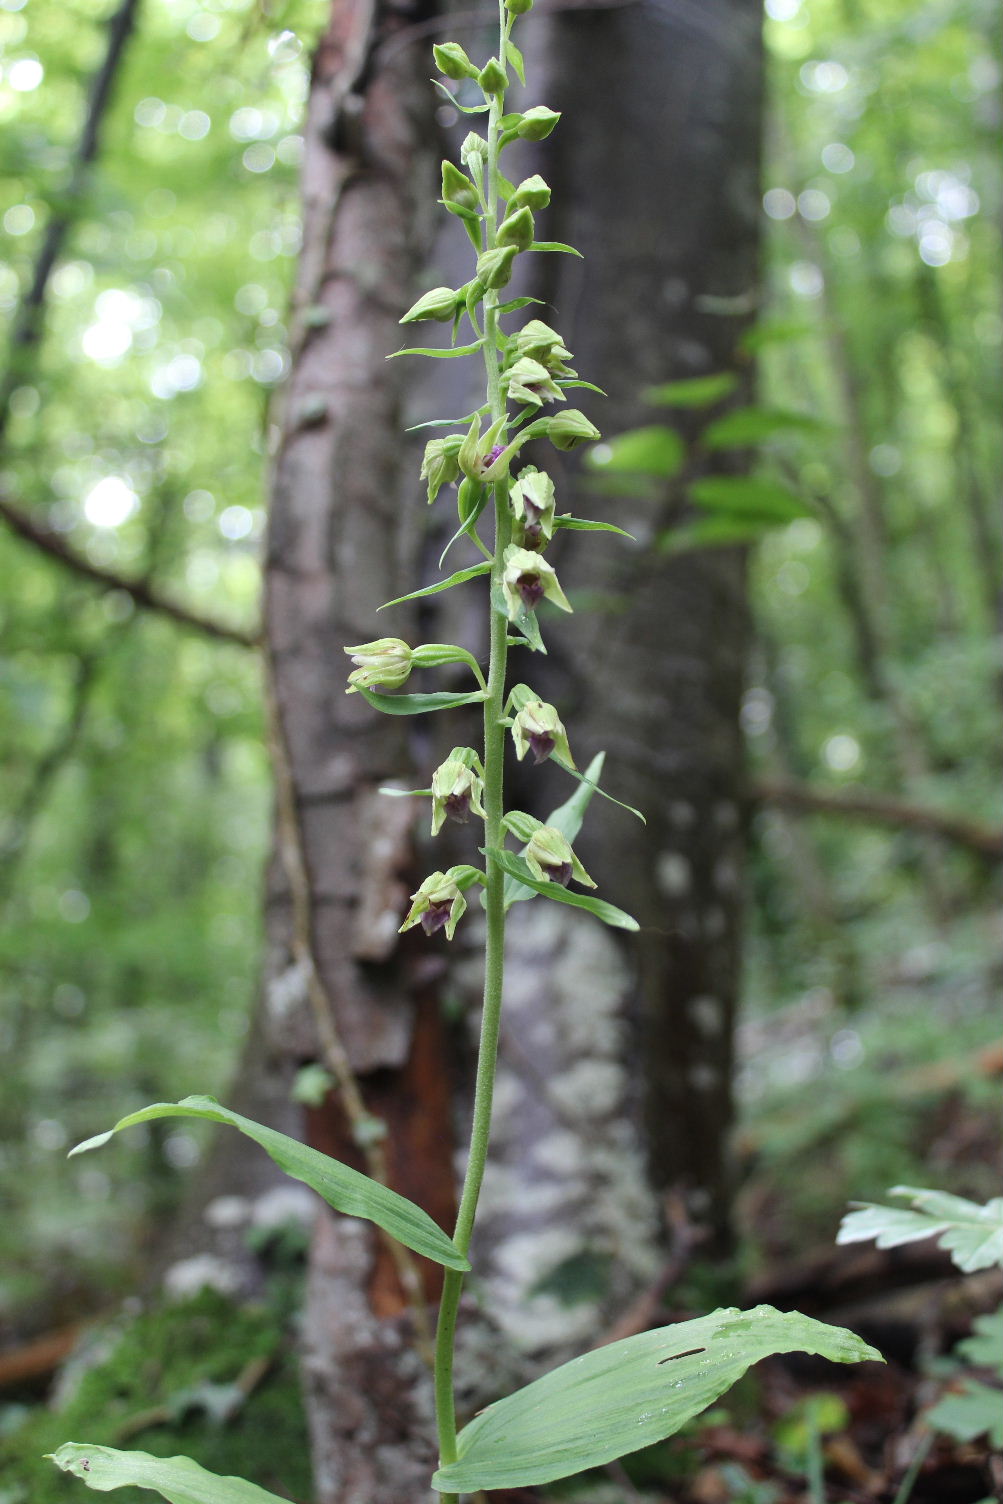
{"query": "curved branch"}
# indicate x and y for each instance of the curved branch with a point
(145, 595)
(881, 809)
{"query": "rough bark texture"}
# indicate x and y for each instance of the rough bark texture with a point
(655, 173)
(337, 549)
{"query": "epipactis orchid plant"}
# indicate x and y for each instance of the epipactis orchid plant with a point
(622, 1396)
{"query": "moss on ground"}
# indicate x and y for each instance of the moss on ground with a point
(163, 1383)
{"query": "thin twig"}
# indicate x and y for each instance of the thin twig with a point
(882, 809)
(145, 595)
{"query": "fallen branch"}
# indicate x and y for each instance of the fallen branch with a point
(881, 809)
(145, 596)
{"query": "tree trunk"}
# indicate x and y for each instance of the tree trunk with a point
(655, 173)
(342, 987)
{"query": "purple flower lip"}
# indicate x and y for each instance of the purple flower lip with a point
(492, 455)
(436, 916)
(532, 537)
(541, 745)
(530, 587)
(457, 807)
(560, 873)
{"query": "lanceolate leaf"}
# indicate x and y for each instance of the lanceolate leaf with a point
(972, 1234)
(460, 578)
(585, 525)
(438, 352)
(420, 704)
(177, 1479)
(567, 818)
(628, 1395)
(341, 1187)
(607, 912)
(556, 245)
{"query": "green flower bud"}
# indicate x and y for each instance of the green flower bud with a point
(440, 466)
(478, 452)
(517, 229)
(494, 268)
(451, 60)
(539, 729)
(527, 579)
(383, 664)
(440, 304)
(493, 78)
(529, 381)
(569, 429)
(457, 789)
(549, 857)
(537, 123)
(532, 501)
(518, 7)
(438, 904)
(533, 192)
(457, 187)
(474, 146)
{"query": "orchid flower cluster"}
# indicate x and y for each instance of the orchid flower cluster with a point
(616, 1398)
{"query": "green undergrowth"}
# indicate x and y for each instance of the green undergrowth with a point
(173, 1379)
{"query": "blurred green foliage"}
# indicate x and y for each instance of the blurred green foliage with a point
(133, 814)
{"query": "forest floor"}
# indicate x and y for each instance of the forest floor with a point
(794, 1431)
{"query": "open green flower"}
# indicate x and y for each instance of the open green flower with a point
(527, 579)
(383, 664)
(457, 788)
(549, 857)
(537, 728)
(537, 340)
(438, 904)
(531, 498)
(529, 381)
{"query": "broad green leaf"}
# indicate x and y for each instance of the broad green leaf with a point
(460, 578)
(627, 1395)
(748, 495)
(973, 1410)
(420, 704)
(984, 1348)
(641, 451)
(340, 1186)
(751, 425)
(715, 532)
(972, 1234)
(556, 245)
(584, 525)
(439, 352)
(515, 58)
(177, 1479)
(607, 912)
(775, 332)
(699, 391)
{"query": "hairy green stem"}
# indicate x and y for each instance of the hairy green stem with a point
(494, 809)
